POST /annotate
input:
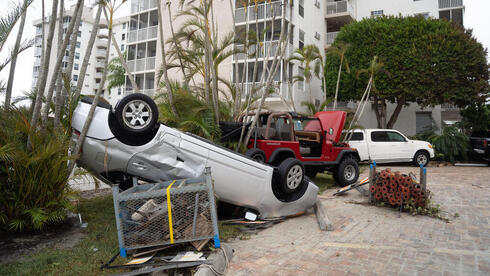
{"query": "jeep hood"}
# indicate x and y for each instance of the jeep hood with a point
(334, 120)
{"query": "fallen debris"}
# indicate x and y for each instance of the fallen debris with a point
(321, 215)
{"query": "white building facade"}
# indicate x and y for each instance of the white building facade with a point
(96, 62)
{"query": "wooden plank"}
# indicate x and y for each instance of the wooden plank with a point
(322, 218)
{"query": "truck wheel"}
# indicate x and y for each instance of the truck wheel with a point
(257, 155)
(291, 175)
(137, 114)
(347, 172)
(421, 158)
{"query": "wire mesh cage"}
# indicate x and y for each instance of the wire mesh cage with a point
(164, 213)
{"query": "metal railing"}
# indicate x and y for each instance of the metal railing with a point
(444, 4)
(141, 64)
(143, 34)
(266, 49)
(249, 87)
(142, 5)
(338, 7)
(129, 90)
(331, 37)
(262, 11)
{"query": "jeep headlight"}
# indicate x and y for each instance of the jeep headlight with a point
(430, 146)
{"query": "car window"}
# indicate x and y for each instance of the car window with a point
(357, 136)
(379, 136)
(395, 137)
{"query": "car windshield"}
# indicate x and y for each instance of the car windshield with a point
(312, 125)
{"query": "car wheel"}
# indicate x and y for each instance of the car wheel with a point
(347, 172)
(421, 158)
(257, 155)
(137, 114)
(291, 174)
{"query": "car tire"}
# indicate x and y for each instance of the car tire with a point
(291, 174)
(257, 155)
(136, 114)
(347, 172)
(421, 158)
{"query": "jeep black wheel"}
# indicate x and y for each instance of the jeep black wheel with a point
(137, 114)
(347, 172)
(291, 175)
(257, 155)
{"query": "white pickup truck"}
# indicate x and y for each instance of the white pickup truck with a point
(389, 145)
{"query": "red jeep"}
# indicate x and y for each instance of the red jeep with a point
(299, 145)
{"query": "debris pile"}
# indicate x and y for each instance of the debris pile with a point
(397, 189)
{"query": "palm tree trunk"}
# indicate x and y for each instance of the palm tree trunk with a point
(88, 53)
(44, 72)
(59, 85)
(278, 57)
(123, 60)
(164, 61)
(13, 62)
(245, 64)
(338, 83)
(59, 61)
(177, 45)
(396, 112)
(211, 69)
(91, 112)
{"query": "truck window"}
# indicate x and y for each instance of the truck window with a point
(395, 137)
(357, 136)
(379, 136)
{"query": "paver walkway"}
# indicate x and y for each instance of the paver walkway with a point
(370, 240)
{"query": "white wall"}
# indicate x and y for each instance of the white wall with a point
(363, 8)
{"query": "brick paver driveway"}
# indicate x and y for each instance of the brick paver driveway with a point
(370, 240)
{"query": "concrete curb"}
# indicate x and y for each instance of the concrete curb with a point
(216, 260)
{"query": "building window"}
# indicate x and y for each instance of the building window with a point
(301, 9)
(124, 26)
(301, 39)
(78, 44)
(75, 77)
(79, 33)
(123, 36)
(456, 15)
(77, 55)
(376, 13)
(67, 53)
(119, 91)
(424, 14)
(67, 19)
(122, 47)
(75, 66)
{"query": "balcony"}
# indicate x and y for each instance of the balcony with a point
(100, 53)
(446, 4)
(331, 37)
(268, 49)
(142, 64)
(262, 12)
(143, 34)
(280, 89)
(148, 92)
(143, 5)
(339, 13)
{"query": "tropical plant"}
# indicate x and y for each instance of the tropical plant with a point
(339, 51)
(475, 117)
(431, 62)
(33, 183)
(451, 144)
(310, 59)
(116, 75)
(313, 109)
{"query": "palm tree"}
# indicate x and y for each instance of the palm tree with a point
(339, 51)
(59, 82)
(307, 57)
(116, 76)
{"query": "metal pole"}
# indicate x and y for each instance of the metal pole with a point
(423, 182)
(371, 178)
(214, 215)
(115, 193)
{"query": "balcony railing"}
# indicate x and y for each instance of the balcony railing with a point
(267, 49)
(338, 7)
(331, 37)
(258, 87)
(141, 64)
(262, 11)
(142, 5)
(143, 34)
(149, 92)
(444, 4)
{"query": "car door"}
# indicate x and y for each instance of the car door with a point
(379, 146)
(359, 142)
(400, 148)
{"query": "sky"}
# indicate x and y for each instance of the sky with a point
(476, 18)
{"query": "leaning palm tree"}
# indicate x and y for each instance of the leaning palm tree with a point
(116, 76)
(307, 57)
(339, 51)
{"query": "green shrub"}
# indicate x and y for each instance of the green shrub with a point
(33, 184)
(452, 144)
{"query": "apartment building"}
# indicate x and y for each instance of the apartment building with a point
(312, 21)
(96, 63)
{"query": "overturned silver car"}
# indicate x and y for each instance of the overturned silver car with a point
(128, 141)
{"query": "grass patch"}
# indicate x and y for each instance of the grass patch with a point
(324, 181)
(87, 256)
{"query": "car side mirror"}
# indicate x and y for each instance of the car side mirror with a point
(330, 131)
